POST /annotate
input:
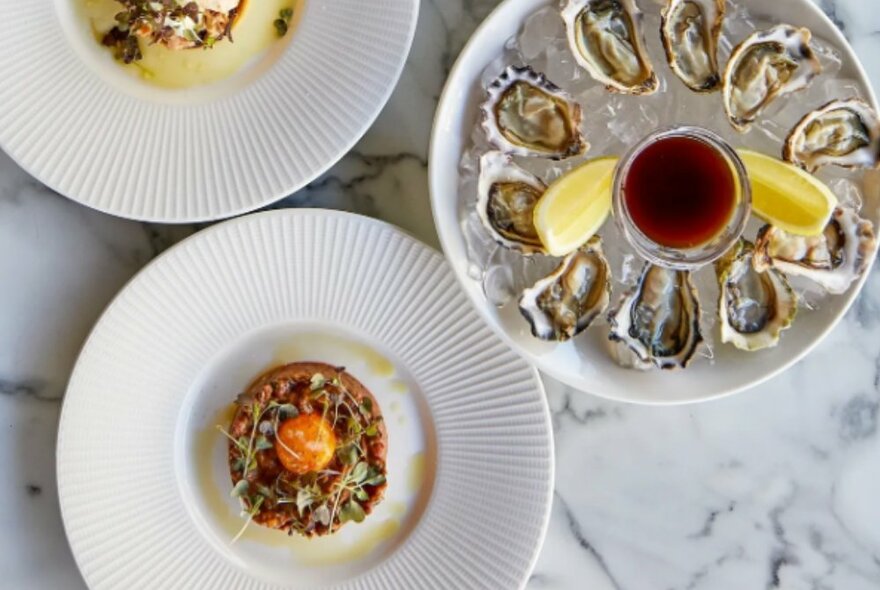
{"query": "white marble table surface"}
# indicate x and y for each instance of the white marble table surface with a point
(776, 488)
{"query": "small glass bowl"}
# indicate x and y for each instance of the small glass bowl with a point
(694, 256)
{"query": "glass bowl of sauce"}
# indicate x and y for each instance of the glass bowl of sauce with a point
(681, 197)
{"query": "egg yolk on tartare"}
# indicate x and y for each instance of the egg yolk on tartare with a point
(306, 449)
(305, 443)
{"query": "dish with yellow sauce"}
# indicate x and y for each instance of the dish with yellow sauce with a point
(185, 43)
(307, 450)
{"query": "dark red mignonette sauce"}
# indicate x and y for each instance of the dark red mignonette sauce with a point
(680, 192)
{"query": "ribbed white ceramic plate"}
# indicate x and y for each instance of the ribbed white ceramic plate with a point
(141, 474)
(75, 121)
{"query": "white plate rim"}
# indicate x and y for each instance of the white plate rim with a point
(259, 199)
(94, 333)
(445, 233)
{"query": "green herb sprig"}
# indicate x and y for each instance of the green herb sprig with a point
(317, 500)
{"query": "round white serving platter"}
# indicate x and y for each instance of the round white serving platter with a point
(588, 367)
(142, 475)
(74, 120)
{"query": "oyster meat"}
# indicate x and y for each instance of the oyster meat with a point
(766, 65)
(843, 132)
(690, 30)
(753, 307)
(833, 259)
(657, 323)
(506, 202)
(606, 39)
(527, 115)
(564, 303)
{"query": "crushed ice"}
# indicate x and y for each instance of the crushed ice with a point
(613, 122)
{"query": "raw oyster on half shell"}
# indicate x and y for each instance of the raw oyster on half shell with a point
(833, 259)
(657, 323)
(843, 132)
(754, 307)
(767, 65)
(565, 302)
(690, 30)
(527, 115)
(506, 202)
(606, 39)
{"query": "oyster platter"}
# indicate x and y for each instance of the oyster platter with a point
(666, 178)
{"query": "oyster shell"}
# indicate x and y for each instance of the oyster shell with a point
(766, 65)
(690, 30)
(833, 259)
(753, 307)
(657, 323)
(606, 39)
(506, 202)
(527, 115)
(565, 302)
(843, 132)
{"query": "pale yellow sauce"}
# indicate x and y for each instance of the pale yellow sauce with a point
(207, 441)
(397, 509)
(298, 350)
(398, 386)
(415, 472)
(253, 34)
(321, 551)
(378, 364)
(289, 352)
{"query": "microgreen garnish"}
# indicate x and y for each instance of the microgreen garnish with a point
(286, 411)
(352, 511)
(254, 510)
(166, 21)
(317, 382)
(240, 489)
(326, 498)
(348, 454)
(282, 23)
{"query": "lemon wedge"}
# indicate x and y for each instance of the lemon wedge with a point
(786, 196)
(575, 206)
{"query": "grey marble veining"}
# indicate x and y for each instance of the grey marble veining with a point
(773, 488)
